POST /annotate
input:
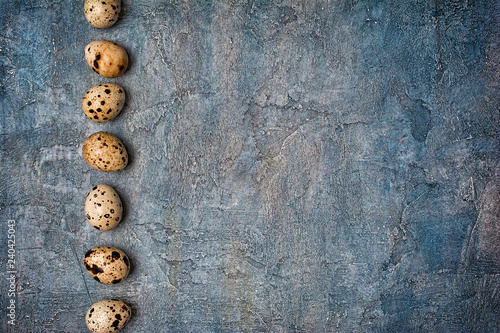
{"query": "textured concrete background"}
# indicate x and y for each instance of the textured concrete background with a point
(296, 166)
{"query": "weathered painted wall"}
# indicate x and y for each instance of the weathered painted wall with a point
(296, 166)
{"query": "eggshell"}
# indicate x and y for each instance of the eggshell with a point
(106, 58)
(107, 315)
(105, 152)
(103, 102)
(107, 264)
(103, 207)
(102, 13)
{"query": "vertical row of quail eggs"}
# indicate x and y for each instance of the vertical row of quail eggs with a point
(103, 151)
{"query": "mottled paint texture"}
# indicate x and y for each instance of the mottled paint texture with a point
(295, 166)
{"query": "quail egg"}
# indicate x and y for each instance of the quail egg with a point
(107, 264)
(106, 58)
(105, 152)
(107, 315)
(103, 207)
(103, 102)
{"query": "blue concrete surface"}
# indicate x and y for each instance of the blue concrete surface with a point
(295, 166)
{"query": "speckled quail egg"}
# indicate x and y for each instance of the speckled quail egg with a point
(107, 264)
(105, 152)
(103, 207)
(102, 14)
(103, 102)
(107, 315)
(106, 58)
